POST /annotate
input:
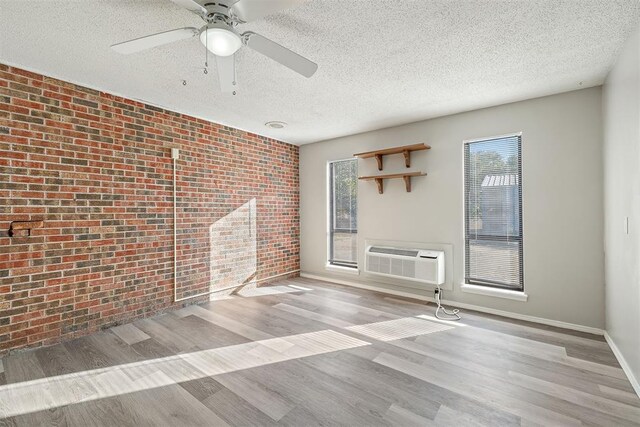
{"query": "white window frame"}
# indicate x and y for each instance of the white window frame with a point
(329, 203)
(474, 288)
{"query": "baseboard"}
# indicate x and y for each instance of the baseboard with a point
(623, 363)
(509, 314)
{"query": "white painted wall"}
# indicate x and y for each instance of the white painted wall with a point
(621, 108)
(562, 199)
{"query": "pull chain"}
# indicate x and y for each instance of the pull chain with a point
(206, 53)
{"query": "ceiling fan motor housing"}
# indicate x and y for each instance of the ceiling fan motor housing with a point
(216, 11)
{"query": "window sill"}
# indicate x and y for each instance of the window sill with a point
(340, 269)
(494, 292)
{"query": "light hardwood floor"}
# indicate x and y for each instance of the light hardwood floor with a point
(303, 353)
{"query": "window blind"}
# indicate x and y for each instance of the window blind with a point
(343, 212)
(493, 212)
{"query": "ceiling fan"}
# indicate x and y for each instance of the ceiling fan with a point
(221, 38)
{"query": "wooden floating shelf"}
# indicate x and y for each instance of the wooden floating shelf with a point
(406, 150)
(380, 178)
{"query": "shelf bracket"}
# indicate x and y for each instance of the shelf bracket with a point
(380, 185)
(379, 160)
(407, 183)
(407, 158)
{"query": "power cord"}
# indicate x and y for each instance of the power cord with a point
(453, 314)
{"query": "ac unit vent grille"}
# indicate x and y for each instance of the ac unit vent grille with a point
(392, 251)
(417, 265)
(396, 267)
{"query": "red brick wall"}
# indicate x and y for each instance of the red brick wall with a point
(97, 169)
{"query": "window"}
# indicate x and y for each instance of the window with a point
(493, 212)
(343, 213)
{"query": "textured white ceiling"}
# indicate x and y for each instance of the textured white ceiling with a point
(381, 63)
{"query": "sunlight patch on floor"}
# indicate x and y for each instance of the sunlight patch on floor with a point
(47, 393)
(396, 329)
(251, 291)
(432, 318)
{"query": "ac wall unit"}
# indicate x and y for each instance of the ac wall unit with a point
(417, 265)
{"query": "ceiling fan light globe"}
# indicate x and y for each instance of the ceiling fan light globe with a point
(220, 41)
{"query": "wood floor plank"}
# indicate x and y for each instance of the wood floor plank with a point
(397, 415)
(334, 293)
(109, 345)
(23, 366)
(356, 306)
(174, 406)
(260, 396)
(9, 422)
(109, 412)
(230, 324)
(87, 355)
(56, 360)
(329, 320)
(627, 397)
(46, 418)
(233, 410)
(151, 349)
(202, 388)
(129, 333)
(199, 332)
(612, 371)
(260, 317)
(450, 417)
(165, 336)
(300, 416)
(325, 308)
(390, 330)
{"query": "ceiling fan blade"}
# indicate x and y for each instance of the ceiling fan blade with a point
(191, 6)
(226, 66)
(159, 39)
(281, 54)
(250, 10)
